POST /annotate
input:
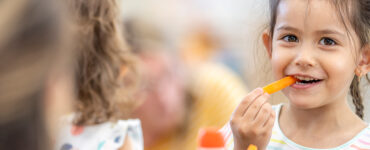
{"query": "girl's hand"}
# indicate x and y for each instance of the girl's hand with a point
(252, 121)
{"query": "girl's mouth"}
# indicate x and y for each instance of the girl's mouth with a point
(304, 82)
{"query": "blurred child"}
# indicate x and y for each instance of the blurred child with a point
(175, 106)
(325, 46)
(36, 83)
(106, 80)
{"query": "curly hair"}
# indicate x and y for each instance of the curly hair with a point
(106, 74)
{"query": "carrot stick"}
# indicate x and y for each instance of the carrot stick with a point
(279, 85)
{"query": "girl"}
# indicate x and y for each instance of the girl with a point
(325, 45)
(105, 82)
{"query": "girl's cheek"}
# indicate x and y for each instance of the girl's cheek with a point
(280, 61)
(341, 70)
(276, 65)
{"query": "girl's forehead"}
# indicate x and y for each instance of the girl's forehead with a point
(310, 15)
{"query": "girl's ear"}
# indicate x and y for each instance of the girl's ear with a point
(364, 65)
(266, 38)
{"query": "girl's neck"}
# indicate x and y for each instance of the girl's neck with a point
(334, 120)
(332, 115)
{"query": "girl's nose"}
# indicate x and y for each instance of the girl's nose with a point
(305, 59)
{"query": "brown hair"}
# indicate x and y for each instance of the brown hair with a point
(103, 59)
(30, 47)
(359, 16)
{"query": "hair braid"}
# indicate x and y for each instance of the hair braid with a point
(356, 97)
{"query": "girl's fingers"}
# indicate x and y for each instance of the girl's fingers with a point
(263, 115)
(253, 109)
(270, 123)
(247, 101)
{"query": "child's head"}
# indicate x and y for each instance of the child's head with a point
(105, 70)
(325, 44)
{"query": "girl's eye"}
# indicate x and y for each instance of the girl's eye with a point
(290, 38)
(327, 41)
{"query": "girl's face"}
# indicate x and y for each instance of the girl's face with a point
(311, 43)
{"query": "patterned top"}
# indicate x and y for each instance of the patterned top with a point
(279, 141)
(105, 136)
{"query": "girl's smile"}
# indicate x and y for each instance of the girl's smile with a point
(305, 81)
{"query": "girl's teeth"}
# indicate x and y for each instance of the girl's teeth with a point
(308, 79)
(304, 78)
(299, 82)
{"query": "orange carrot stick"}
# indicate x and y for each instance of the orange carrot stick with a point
(279, 85)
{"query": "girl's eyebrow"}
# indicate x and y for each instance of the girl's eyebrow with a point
(288, 28)
(329, 31)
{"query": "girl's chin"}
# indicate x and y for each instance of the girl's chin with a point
(303, 103)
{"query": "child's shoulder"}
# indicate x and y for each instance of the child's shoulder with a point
(362, 140)
(109, 135)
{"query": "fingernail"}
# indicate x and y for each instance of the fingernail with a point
(268, 95)
(260, 90)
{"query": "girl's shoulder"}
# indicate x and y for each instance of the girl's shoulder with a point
(362, 140)
(105, 136)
